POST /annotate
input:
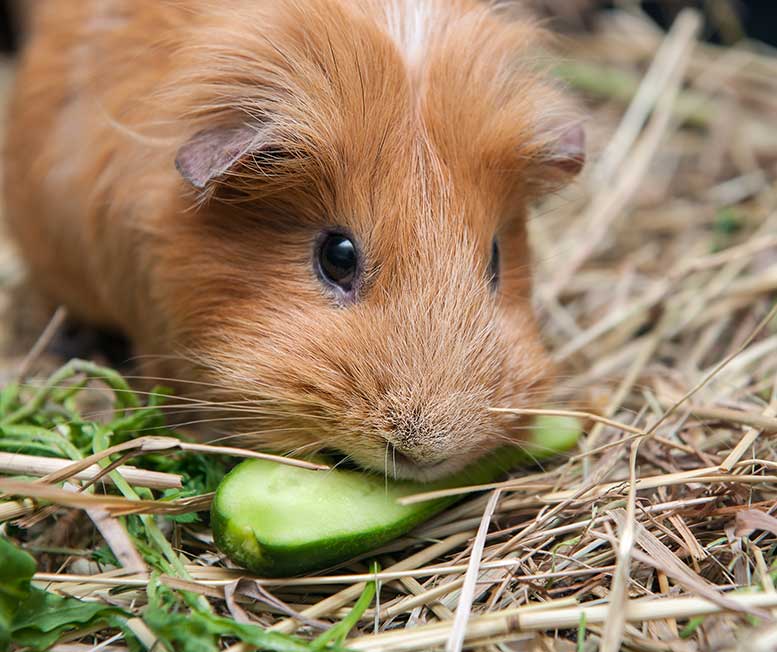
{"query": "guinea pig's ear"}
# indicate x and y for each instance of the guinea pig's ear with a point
(212, 152)
(564, 154)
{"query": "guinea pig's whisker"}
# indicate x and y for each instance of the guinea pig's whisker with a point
(267, 431)
(178, 381)
(288, 407)
(195, 422)
(385, 467)
(253, 433)
(185, 424)
(37, 386)
(172, 409)
(316, 446)
(343, 460)
(190, 401)
(296, 414)
(225, 438)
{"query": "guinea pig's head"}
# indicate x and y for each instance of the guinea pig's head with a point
(356, 275)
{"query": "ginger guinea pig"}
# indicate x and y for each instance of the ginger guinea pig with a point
(311, 211)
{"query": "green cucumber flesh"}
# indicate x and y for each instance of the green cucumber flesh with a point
(279, 520)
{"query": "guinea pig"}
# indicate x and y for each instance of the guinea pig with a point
(311, 213)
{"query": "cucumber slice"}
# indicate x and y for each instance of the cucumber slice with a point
(277, 520)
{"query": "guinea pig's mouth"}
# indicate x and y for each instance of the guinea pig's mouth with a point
(401, 466)
(396, 467)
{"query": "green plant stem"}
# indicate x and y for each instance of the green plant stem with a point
(339, 632)
(59, 443)
(581, 633)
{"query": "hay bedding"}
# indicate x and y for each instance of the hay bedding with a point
(657, 276)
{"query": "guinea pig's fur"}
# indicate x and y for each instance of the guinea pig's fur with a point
(172, 164)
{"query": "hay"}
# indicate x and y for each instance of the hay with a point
(656, 279)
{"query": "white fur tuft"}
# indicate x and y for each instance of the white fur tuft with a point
(410, 24)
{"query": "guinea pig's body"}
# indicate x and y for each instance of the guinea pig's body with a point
(310, 210)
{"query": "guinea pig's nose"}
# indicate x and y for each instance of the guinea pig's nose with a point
(419, 439)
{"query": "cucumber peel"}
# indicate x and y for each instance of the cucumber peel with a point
(278, 520)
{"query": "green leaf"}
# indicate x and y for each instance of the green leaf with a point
(16, 571)
(44, 616)
(190, 517)
(255, 635)
(33, 618)
(180, 631)
(45, 612)
(197, 630)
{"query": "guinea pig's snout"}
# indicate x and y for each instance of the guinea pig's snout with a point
(421, 446)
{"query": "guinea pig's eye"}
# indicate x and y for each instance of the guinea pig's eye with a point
(493, 265)
(338, 261)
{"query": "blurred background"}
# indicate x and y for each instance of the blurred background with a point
(727, 21)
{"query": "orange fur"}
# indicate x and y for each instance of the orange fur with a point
(421, 126)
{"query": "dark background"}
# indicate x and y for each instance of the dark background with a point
(726, 21)
(758, 17)
(10, 23)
